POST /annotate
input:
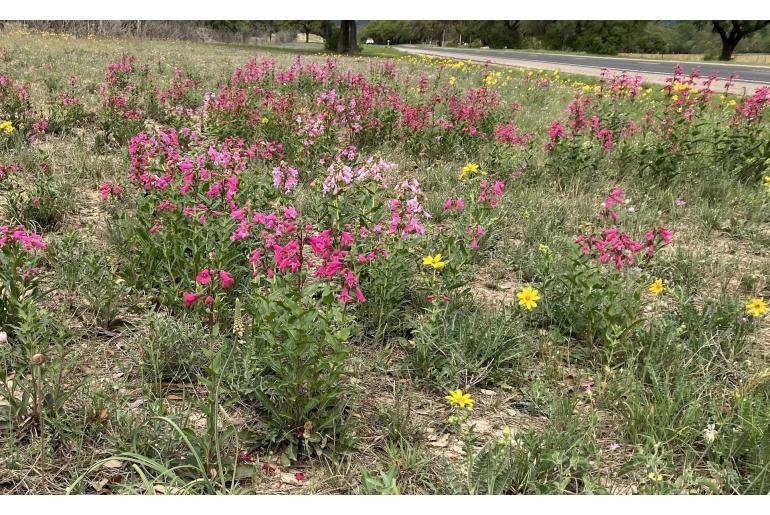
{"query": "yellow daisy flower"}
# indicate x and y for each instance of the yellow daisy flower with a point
(657, 287)
(528, 298)
(756, 307)
(460, 399)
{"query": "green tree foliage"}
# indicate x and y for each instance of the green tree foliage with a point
(593, 36)
(307, 27)
(732, 32)
(495, 34)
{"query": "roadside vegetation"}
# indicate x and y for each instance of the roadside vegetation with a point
(229, 270)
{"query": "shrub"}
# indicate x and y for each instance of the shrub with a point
(41, 198)
(301, 339)
(18, 273)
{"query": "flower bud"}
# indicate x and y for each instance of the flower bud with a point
(38, 359)
(3, 337)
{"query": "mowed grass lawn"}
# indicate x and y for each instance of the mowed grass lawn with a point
(262, 272)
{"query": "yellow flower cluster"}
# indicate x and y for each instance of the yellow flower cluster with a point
(492, 78)
(468, 169)
(505, 76)
(587, 88)
(545, 250)
(446, 62)
(7, 127)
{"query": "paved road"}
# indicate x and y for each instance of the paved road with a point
(756, 75)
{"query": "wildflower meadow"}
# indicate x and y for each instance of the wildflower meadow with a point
(232, 270)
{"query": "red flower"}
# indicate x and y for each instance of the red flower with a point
(203, 277)
(245, 458)
(226, 278)
(189, 298)
(299, 476)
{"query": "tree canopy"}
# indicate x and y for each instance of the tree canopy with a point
(593, 36)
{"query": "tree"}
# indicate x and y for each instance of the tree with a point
(594, 36)
(306, 27)
(395, 31)
(347, 43)
(737, 31)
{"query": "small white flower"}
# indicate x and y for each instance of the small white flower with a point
(710, 434)
(3, 337)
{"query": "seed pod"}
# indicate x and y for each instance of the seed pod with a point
(38, 359)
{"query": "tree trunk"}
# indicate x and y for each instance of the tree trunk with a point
(353, 45)
(348, 41)
(307, 36)
(343, 43)
(729, 41)
(728, 47)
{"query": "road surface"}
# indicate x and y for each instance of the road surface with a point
(749, 77)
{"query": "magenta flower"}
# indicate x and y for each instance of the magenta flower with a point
(346, 239)
(344, 296)
(226, 278)
(189, 298)
(30, 241)
(105, 190)
(203, 277)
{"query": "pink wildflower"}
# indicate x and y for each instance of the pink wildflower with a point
(203, 277)
(226, 279)
(189, 298)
